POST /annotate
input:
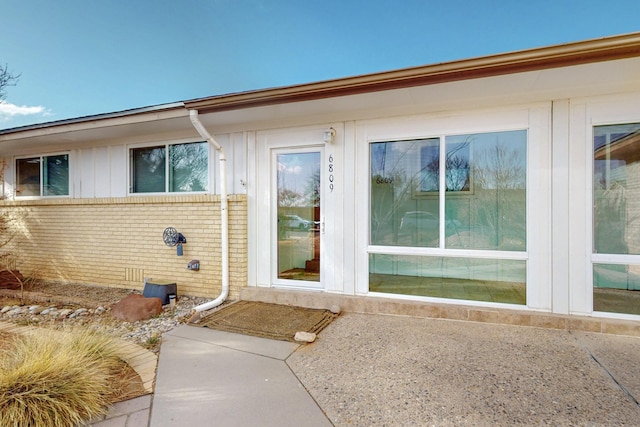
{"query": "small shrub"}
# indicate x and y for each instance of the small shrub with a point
(152, 341)
(55, 380)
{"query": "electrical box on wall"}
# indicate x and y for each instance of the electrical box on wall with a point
(194, 265)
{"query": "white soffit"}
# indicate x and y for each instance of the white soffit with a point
(527, 87)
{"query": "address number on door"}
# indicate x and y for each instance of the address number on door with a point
(331, 168)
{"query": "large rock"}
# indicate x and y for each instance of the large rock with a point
(135, 307)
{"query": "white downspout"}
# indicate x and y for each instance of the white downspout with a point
(224, 216)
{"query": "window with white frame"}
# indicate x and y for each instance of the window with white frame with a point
(170, 168)
(483, 177)
(445, 194)
(42, 176)
(616, 223)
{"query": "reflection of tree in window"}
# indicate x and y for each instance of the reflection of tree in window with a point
(399, 169)
(312, 189)
(298, 179)
(148, 170)
(497, 215)
(457, 167)
(616, 176)
(288, 198)
(188, 167)
(55, 181)
(485, 199)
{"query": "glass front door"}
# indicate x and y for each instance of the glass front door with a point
(298, 216)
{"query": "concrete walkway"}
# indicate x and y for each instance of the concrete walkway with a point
(377, 370)
(207, 377)
(373, 370)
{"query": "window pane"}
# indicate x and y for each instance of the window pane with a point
(616, 189)
(188, 167)
(28, 177)
(55, 175)
(485, 202)
(148, 170)
(490, 280)
(298, 219)
(404, 193)
(613, 287)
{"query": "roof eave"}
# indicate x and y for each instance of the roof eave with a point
(93, 119)
(604, 49)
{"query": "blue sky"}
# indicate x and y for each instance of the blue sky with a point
(85, 57)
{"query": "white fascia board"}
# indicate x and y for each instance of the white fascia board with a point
(99, 122)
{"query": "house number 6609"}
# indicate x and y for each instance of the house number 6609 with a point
(331, 172)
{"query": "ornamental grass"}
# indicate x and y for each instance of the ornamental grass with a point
(56, 380)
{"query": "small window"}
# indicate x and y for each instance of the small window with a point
(44, 176)
(169, 168)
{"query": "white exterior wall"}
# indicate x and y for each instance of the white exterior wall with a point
(102, 171)
(559, 119)
(558, 107)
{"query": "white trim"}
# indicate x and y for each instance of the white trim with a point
(449, 301)
(41, 156)
(560, 222)
(275, 280)
(539, 207)
(302, 139)
(449, 253)
(615, 259)
(347, 234)
(585, 115)
(252, 210)
(212, 157)
(536, 119)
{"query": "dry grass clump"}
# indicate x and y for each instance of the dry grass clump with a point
(56, 380)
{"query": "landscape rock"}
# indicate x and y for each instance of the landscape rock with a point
(304, 336)
(36, 309)
(135, 307)
(138, 332)
(64, 313)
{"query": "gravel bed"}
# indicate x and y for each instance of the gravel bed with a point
(90, 306)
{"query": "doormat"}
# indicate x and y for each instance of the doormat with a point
(273, 321)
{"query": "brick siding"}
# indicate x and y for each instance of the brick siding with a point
(118, 241)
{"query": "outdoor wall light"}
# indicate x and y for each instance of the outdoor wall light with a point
(329, 135)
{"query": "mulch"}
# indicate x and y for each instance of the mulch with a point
(273, 321)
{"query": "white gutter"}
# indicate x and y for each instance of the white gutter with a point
(224, 216)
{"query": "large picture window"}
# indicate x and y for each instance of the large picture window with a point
(43, 176)
(484, 183)
(455, 192)
(616, 223)
(169, 168)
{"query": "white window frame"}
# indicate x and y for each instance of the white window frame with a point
(260, 243)
(166, 144)
(589, 113)
(535, 119)
(42, 157)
